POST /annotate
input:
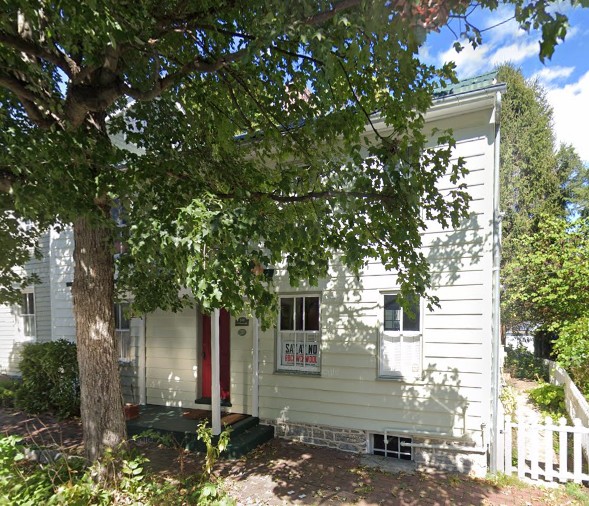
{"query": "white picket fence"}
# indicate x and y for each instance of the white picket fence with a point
(536, 458)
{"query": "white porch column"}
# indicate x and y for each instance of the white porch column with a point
(142, 369)
(215, 374)
(255, 367)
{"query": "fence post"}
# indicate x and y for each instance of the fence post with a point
(548, 448)
(508, 445)
(534, 444)
(578, 461)
(521, 445)
(562, 443)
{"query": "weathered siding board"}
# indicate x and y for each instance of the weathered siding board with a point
(241, 353)
(8, 341)
(171, 358)
(61, 265)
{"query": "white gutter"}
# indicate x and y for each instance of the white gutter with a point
(496, 317)
(448, 106)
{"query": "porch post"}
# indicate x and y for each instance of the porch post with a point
(215, 375)
(255, 367)
(141, 369)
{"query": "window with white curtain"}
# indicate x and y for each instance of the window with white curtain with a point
(400, 339)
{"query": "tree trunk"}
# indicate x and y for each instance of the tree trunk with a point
(103, 421)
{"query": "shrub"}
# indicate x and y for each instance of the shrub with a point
(550, 399)
(572, 348)
(8, 388)
(508, 397)
(521, 363)
(50, 380)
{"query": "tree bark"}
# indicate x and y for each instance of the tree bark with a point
(103, 421)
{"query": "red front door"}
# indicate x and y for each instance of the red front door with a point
(223, 358)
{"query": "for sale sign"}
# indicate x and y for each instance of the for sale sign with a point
(300, 354)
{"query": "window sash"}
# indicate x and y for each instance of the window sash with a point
(299, 337)
(123, 331)
(400, 346)
(27, 315)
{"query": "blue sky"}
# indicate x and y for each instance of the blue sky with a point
(565, 77)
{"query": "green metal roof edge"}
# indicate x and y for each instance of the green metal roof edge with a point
(467, 85)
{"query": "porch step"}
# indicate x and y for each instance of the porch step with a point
(246, 434)
(248, 440)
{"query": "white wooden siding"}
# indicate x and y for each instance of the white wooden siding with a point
(61, 265)
(171, 358)
(455, 388)
(11, 338)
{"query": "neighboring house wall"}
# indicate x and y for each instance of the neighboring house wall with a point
(8, 340)
(11, 326)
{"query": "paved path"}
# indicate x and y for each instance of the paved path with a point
(527, 411)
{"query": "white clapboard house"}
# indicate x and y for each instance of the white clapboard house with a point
(344, 367)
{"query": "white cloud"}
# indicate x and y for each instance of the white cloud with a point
(548, 75)
(515, 53)
(469, 61)
(571, 110)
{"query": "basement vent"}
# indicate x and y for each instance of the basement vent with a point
(395, 448)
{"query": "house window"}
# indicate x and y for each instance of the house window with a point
(123, 331)
(27, 315)
(394, 447)
(299, 335)
(400, 339)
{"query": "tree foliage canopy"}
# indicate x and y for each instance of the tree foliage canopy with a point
(536, 181)
(248, 134)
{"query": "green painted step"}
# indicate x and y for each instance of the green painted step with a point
(245, 434)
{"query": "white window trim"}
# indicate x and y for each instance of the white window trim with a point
(280, 368)
(402, 375)
(123, 359)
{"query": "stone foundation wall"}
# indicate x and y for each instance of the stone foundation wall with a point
(429, 459)
(347, 440)
(353, 440)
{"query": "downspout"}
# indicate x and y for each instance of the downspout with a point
(141, 372)
(255, 367)
(496, 318)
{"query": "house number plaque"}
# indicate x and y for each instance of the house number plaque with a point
(242, 321)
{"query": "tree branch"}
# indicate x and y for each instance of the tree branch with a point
(197, 65)
(31, 101)
(357, 100)
(311, 196)
(322, 17)
(26, 46)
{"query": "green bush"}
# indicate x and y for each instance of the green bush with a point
(50, 379)
(550, 399)
(8, 388)
(521, 363)
(572, 348)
